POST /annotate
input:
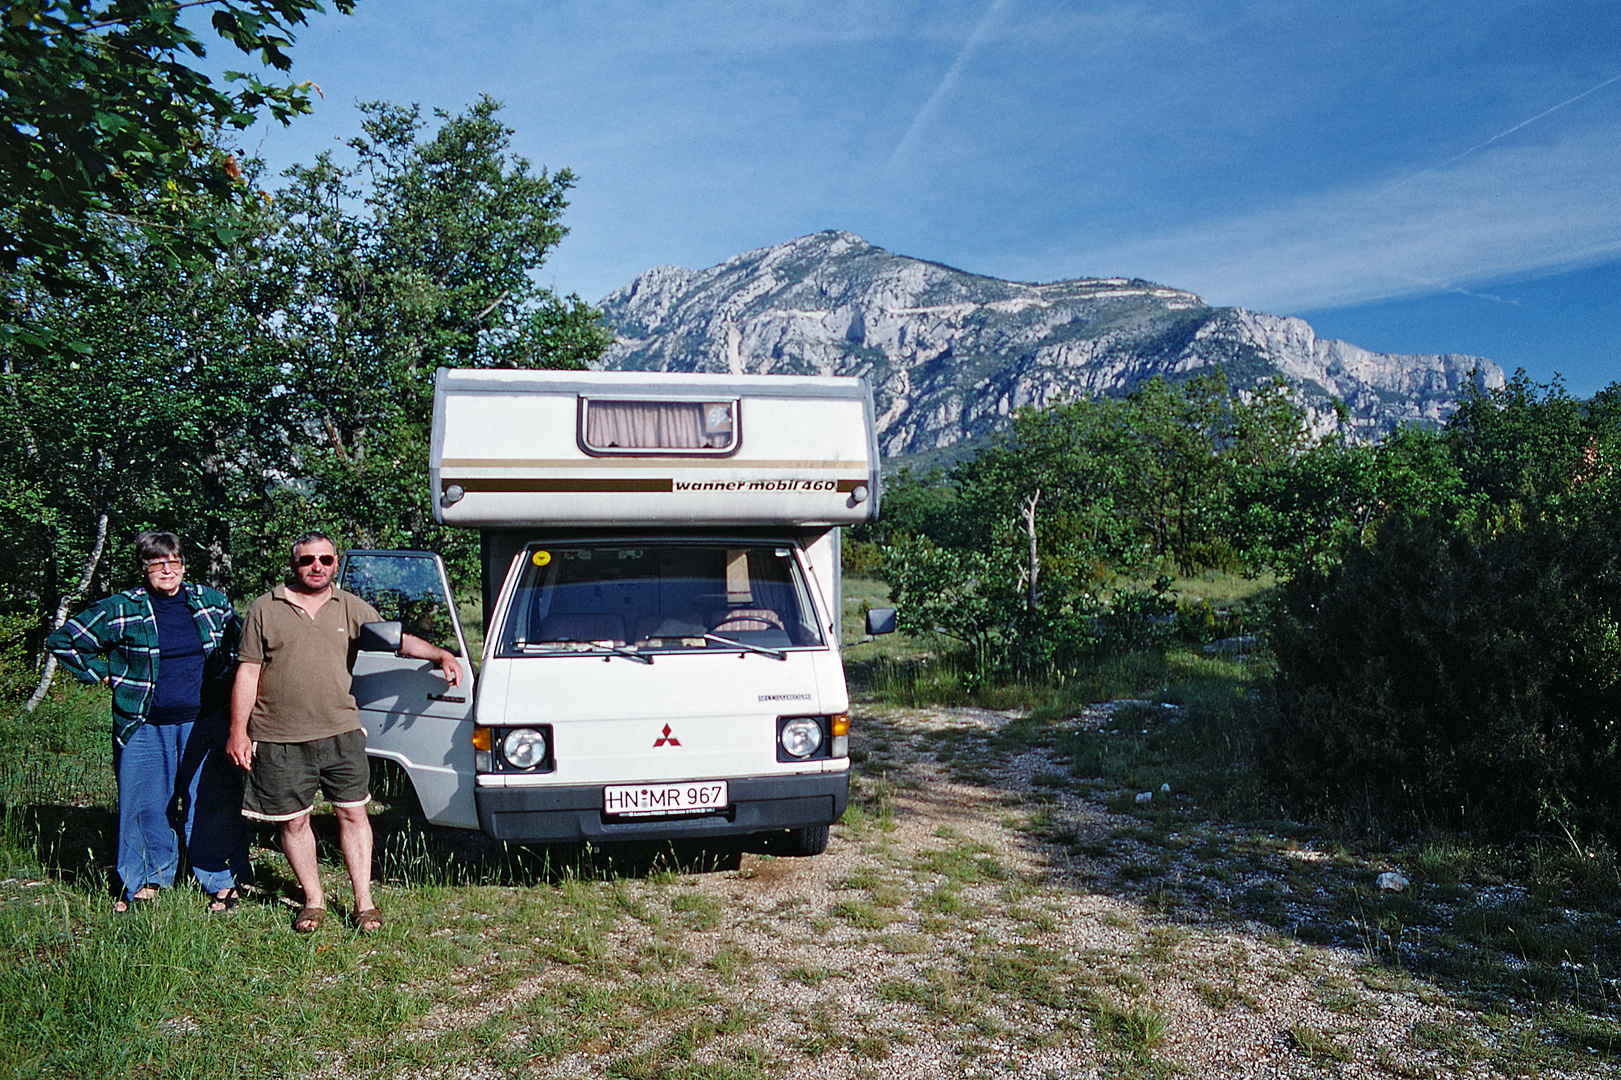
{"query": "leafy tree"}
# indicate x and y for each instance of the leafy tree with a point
(914, 504)
(1072, 456)
(1305, 512)
(1014, 557)
(101, 115)
(421, 253)
(153, 424)
(946, 591)
(1463, 667)
(1532, 451)
(1128, 483)
(286, 383)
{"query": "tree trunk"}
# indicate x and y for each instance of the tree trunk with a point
(333, 437)
(62, 609)
(1032, 599)
(215, 535)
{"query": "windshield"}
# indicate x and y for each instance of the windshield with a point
(658, 598)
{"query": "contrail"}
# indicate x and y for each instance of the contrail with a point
(966, 53)
(1494, 138)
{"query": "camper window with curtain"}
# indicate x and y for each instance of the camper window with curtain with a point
(628, 427)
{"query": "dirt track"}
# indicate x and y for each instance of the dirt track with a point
(939, 937)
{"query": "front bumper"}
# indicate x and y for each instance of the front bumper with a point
(573, 813)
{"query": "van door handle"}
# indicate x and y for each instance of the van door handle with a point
(456, 698)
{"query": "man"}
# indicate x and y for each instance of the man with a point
(295, 727)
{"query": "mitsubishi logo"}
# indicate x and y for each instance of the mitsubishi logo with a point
(666, 739)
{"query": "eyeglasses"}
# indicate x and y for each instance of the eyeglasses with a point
(164, 564)
(324, 560)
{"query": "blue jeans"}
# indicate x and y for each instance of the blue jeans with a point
(175, 780)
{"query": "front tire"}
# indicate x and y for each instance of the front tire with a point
(811, 840)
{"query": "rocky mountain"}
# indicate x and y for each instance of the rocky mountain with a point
(950, 354)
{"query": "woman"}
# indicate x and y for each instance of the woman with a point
(168, 650)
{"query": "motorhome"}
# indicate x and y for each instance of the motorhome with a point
(661, 607)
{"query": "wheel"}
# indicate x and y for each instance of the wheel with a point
(811, 840)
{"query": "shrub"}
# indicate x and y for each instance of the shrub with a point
(1138, 620)
(979, 600)
(1438, 681)
(17, 674)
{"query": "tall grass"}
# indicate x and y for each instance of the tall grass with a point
(167, 990)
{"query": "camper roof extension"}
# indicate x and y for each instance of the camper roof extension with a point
(520, 448)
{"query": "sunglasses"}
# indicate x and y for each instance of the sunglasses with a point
(164, 564)
(310, 560)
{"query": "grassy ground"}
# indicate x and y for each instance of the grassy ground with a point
(1530, 929)
(169, 991)
(1527, 931)
(516, 962)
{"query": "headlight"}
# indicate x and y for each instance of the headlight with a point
(524, 748)
(801, 737)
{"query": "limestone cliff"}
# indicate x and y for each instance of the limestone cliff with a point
(950, 354)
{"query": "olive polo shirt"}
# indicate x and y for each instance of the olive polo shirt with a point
(304, 682)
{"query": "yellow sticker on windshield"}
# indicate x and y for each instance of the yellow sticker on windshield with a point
(541, 558)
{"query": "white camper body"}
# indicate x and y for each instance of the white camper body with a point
(661, 605)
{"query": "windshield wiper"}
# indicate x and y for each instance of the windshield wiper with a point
(617, 650)
(775, 654)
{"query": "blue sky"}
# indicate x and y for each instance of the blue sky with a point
(1408, 176)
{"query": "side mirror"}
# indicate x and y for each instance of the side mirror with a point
(380, 637)
(881, 620)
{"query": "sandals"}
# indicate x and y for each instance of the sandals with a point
(126, 904)
(309, 919)
(221, 903)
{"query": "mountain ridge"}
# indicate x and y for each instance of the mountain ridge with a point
(951, 353)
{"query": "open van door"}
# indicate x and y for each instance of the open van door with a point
(411, 715)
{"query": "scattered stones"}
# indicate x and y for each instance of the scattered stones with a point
(1231, 646)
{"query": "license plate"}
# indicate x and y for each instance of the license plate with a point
(646, 800)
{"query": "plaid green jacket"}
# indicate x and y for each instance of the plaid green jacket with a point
(117, 639)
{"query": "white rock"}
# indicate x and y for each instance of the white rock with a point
(951, 355)
(1390, 881)
(1145, 797)
(1165, 789)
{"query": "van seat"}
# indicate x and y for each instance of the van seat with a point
(583, 626)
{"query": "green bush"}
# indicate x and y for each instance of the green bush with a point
(1437, 681)
(17, 675)
(1137, 620)
(978, 600)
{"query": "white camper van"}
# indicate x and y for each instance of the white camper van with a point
(661, 606)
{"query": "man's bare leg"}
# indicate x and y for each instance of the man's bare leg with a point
(355, 838)
(298, 844)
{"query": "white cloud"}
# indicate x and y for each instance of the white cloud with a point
(1505, 210)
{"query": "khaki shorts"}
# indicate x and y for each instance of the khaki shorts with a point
(285, 776)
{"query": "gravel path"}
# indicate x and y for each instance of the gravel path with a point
(940, 936)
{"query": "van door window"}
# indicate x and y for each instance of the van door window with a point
(406, 586)
(652, 598)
